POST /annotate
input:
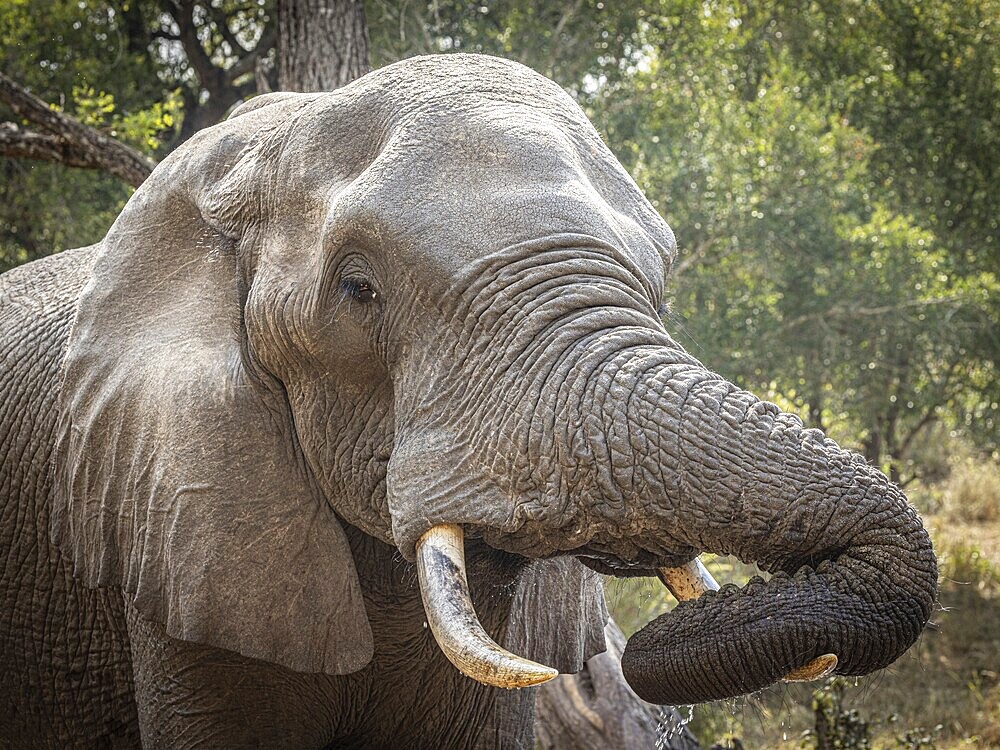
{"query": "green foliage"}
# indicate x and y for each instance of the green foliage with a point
(582, 44)
(143, 128)
(78, 56)
(965, 563)
(972, 492)
(805, 270)
(839, 726)
(831, 170)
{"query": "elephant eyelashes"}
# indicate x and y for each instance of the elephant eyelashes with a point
(358, 289)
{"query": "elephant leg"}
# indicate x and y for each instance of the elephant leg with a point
(190, 695)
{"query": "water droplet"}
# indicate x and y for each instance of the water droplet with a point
(670, 723)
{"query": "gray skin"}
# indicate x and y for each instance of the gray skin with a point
(336, 320)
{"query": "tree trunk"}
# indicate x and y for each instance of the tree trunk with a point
(872, 445)
(322, 44)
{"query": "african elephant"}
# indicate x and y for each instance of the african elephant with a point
(342, 346)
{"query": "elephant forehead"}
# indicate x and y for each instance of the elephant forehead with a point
(441, 176)
(488, 175)
(450, 159)
(470, 106)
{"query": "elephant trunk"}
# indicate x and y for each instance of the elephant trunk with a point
(854, 571)
(596, 435)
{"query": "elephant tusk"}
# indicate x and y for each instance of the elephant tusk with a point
(817, 669)
(444, 589)
(688, 582)
(693, 579)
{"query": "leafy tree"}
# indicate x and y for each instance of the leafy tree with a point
(804, 271)
(122, 69)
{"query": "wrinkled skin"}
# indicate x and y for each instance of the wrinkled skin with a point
(336, 320)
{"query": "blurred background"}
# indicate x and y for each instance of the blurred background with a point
(831, 172)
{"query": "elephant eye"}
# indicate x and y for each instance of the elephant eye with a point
(358, 289)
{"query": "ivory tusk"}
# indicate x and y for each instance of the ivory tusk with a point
(689, 581)
(817, 669)
(693, 579)
(444, 589)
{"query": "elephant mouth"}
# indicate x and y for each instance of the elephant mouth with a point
(452, 619)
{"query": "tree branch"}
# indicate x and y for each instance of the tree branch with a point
(248, 63)
(67, 141)
(847, 313)
(929, 416)
(16, 143)
(165, 34)
(556, 37)
(222, 22)
(693, 257)
(212, 78)
(260, 76)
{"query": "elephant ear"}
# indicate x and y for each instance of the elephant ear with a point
(558, 614)
(178, 474)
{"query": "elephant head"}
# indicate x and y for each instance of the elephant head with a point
(426, 305)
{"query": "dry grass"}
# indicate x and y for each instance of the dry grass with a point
(972, 492)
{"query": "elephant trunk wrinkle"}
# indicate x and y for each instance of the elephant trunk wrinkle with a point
(854, 571)
(511, 389)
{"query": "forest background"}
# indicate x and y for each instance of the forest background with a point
(832, 172)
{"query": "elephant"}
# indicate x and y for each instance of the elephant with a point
(329, 441)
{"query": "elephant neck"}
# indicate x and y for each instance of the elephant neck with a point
(410, 676)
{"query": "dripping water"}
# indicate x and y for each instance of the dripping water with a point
(670, 724)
